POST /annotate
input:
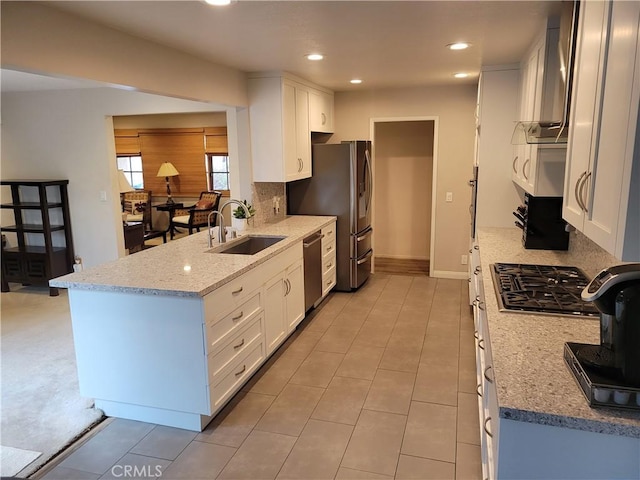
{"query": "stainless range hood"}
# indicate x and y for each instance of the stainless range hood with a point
(556, 91)
(539, 133)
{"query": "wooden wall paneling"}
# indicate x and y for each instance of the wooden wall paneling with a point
(185, 151)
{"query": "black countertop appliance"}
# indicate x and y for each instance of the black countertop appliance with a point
(540, 219)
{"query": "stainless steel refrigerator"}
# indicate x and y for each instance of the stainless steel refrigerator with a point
(341, 185)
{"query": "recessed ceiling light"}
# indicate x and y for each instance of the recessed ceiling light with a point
(461, 75)
(315, 56)
(218, 3)
(356, 81)
(458, 46)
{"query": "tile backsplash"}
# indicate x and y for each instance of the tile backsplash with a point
(589, 256)
(263, 193)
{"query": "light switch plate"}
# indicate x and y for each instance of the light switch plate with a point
(449, 197)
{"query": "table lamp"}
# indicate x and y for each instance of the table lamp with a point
(167, 170)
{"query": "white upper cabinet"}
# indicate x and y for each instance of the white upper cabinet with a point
(282, 111)
(320, 111)
(602, 187)
(539, 169)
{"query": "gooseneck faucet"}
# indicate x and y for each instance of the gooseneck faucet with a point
(222, 234)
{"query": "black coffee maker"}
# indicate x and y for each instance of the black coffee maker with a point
(615, 291)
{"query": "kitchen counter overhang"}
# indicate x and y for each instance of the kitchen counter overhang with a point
(185, 268)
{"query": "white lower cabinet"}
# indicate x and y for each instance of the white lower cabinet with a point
(328, 258)
(294, 295)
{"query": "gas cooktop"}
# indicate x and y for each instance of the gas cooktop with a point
(545, 289)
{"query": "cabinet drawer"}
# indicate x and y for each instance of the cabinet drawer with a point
(240, 370)
(227, 298)
(328, 248)
(328, 262)
(329, 233)
(219, 330)
(234, 349)
(328, 280)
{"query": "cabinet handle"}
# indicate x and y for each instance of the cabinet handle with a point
(577, 188)
(235, 292)
(244, 369)
(476, 335)
(470, 251)
(329, 282)
(486, 371)
(478, 390)
(524, 167)
(476, 247)
(329, 265)
(300, 164)
(287, 286)
(486, 429)
(514, 165)
(330, 232)
(329, 248)
(481, 305)
(481, 343)
(583, 195)
(239, 345)
(324, 118)
(477, 270)
(238, 317)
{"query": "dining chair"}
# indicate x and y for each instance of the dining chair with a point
(196, 217)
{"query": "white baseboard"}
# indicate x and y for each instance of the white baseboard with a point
(399, 257)
(451, 275)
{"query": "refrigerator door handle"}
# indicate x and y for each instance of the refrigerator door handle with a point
(370, 182)
(365, 235)
(366, 256)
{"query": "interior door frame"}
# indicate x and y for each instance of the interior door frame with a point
(434, 180)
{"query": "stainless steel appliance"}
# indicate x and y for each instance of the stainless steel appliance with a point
(341, 185)
(609, 373)
(312, 269)
(473, 183)
(543, 227)
(544, 289)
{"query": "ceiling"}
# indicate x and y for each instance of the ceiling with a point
(384, 43)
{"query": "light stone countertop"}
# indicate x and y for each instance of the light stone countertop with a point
(161, 270)
(533, 383)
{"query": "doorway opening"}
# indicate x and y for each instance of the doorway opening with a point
(404, 171)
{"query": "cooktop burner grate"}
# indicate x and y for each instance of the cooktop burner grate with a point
(541, 288)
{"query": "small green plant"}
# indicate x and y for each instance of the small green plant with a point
(240, 213)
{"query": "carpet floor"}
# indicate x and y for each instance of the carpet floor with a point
(42, 410)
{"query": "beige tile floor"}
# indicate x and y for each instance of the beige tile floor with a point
(378, 384)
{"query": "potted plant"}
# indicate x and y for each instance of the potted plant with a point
(239, 219)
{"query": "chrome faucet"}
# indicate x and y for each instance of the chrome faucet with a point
(209, 236)
(222, 234)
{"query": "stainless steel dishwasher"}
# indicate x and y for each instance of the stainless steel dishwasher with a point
(312, 269)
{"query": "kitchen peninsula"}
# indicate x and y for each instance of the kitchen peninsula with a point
(169, 334)
(534, 420)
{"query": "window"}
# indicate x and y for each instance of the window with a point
(131, 165)
(218, 172)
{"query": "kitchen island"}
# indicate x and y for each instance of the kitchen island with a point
(170, 334)
(535, 421)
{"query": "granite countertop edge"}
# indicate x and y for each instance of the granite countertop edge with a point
(119, 275)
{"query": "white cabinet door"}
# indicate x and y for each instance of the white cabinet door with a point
(274, 312)
(600, 177)
(320, 111)
(294, 295)
(280, 135)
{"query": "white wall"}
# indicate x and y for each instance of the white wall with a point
(39, 39)
(454, 107)
(69, 135)
(403, 173)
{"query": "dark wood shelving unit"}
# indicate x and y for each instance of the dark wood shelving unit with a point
(45, 244)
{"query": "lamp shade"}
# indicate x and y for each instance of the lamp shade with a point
(123, 183)
(167, 170)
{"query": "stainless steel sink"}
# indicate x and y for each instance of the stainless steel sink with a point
(247, 245)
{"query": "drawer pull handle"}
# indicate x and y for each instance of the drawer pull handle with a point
(477, 270)
(329, 248)
(475, 335)
(478, 390)
(481, 305)
(244, 369)
(476, 247)
(329, 265)
(238, 317)
(235, 292)
(486, 371)
(241, 344)
(481, 343)
(486, 428)
(329, 282)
